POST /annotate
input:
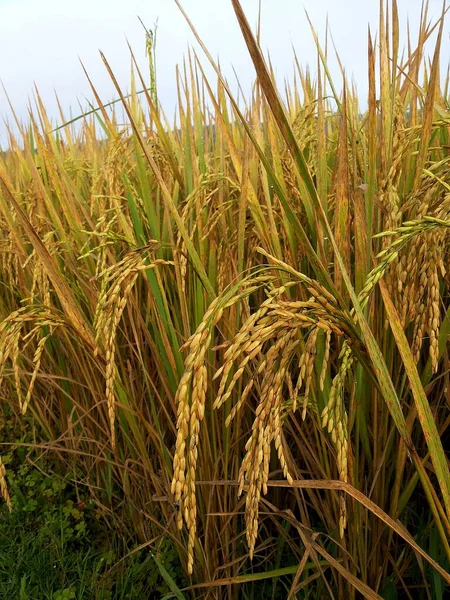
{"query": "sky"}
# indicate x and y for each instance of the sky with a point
(43, 41)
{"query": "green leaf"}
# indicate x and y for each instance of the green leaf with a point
(168, 579)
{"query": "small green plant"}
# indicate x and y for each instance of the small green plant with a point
(55, 545)
(66, 594)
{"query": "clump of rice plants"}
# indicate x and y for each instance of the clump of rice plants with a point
(237, 323)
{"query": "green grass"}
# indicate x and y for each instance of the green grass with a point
(57, 544)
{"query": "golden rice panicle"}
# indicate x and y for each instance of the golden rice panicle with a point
(3, 486)
(40, 287)
(434, 313)
(247, 340)
(111, 305)
(196, 198)
(280, 322)
(116, 307)
(15, 355)
(420, 302)
(254, 470)
(389, 196)
(427, 313)
(181, 256)
(415, 272)
(178, 488)
(37, 364)
(190, 399)
(391, 201)
(14, 330)
(223, 268)
(9, 256)
(308, 366)
(240, 403)
(115, 165)
(160, 156)
(277, 434)
(289, 176)
(334, 418)
(10, 333)
(342, 514)
(326, 359)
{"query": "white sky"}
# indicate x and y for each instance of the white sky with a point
(41, 40)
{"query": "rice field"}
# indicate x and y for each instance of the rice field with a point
(233, 329)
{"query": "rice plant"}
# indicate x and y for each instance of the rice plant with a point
(233, 328)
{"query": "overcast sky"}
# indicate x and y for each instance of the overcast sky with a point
(41, 42)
